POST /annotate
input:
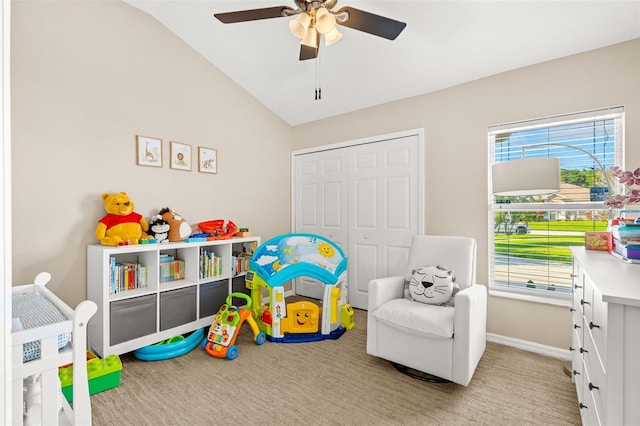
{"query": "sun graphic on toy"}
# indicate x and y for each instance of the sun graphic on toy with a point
(326, 250)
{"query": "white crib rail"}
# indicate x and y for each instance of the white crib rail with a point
(50, 359)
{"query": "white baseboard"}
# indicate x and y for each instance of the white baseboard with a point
(561, 354)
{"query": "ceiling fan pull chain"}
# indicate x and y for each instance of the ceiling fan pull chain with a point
(318, 88)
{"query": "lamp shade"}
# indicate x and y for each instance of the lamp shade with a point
(311, 38)
(332, 36)
(299, 25)
(325, 21)
(527, 176)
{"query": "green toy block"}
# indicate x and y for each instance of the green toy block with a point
(103, 374)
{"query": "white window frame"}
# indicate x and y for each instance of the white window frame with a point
(537, 295)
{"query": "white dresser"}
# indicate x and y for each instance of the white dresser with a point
(606, 338)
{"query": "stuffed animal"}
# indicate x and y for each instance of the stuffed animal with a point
(432, 284)
(179, 228)
(159, 229)
(121, 224)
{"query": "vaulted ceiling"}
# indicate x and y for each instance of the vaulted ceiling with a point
(444, 44)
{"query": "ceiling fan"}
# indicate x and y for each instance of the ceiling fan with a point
(315, 18)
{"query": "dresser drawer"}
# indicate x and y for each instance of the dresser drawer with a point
(597, 325)
(594, 374)
(578, 286)
(591, 400)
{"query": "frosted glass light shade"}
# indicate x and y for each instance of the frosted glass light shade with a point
(299, 25)
(332, 36)
(311, 38)
(527, 176)
(325, 21)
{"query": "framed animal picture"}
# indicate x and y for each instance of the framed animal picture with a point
(149, 151)
(180, 156)
(207, 160)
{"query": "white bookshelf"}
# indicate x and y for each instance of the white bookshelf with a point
(131, 319)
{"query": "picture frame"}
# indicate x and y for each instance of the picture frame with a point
(207, 160)
(148, 151)
(180, 156)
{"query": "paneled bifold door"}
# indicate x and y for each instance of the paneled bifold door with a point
(367, 197)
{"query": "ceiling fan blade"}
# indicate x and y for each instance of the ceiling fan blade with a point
(252, 14)
(371, 23)
(308, 52)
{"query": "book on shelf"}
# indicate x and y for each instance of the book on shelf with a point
(125, 276)
(210, 264)
(172, 270)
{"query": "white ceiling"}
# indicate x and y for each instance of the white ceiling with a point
(444, 44)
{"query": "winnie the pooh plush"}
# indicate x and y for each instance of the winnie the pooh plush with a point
(121, 224)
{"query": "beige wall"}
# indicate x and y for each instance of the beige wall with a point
(86, 78)
(455, 122)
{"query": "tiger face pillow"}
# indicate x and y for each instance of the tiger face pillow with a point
(432, 284)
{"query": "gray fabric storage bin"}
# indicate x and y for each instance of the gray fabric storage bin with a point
(132, 318)
(177, 307)
(238, 285)
(212, 296)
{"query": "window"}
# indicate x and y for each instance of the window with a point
(530, 236)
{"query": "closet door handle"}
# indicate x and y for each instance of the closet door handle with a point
(582, 302)
(583, 351)
(571, 310)
(592, 325)
(582, 406)
(592, 387)
(576, 326)
(571, 348)
(576, 373)
(577, 286)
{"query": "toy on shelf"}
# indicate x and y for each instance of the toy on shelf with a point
(179, 229)
(159, 229)
(121, 224)
(243, 232)
(170, 348)
(220, 342)
(285, 258)
(217, 230)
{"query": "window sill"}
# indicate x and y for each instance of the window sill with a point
(556, 301)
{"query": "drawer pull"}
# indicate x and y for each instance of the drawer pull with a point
(583, 350)
(571, 310)
(582, 302)
(592, 387)
(592, 325)
(576, 326)
(582, 406)
(577, 286)
(576, 373)
(571, 348)
(572, 275)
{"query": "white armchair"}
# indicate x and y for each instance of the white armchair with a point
(442, 341)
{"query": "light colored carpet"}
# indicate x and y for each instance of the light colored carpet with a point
(333, 382)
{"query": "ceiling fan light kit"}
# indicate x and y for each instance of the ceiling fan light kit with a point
(317, 17)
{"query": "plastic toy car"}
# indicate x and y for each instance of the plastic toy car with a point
(220, 341)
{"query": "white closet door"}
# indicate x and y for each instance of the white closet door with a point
(321, 204)
(367, 198)
(384, 211)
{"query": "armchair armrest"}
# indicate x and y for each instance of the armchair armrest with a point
(470, 331)
(382, 290)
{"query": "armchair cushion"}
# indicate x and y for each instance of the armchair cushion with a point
(433, 285)
(417, 318)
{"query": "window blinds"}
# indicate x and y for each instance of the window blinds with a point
(530, 236)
